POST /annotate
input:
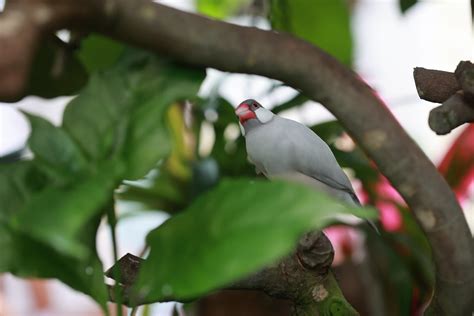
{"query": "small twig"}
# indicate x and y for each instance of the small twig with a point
(134, 311)
(454, 90)
(465, 75)
(128, 267)
(435, 85)
(452, 113)
(117, 272)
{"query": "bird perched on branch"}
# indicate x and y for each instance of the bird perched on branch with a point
(283, 148)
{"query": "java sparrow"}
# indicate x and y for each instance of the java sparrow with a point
(283, 148)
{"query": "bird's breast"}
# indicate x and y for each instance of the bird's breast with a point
(269, 150)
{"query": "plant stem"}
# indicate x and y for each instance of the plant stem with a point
(112, 219)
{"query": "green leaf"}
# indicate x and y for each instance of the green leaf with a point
(97, 118)
(55, 152)
(229, 232)
(121, 112)
(8, 251)
(323, 23)
(24, 256)
(33, 224)
(220, 9)
(148, 139)
(17, 182)
(57, 215)
(55, 71)
(406, 4)
(167, 187)
(98, 52)
(231, 156)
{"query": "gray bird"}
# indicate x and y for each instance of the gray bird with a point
(282, 148)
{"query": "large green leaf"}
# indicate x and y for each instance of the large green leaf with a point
(97, 118)
(148, 139)
(229, 232)
(220, 8)
(323, 23)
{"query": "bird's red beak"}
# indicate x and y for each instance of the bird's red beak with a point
(244, 113)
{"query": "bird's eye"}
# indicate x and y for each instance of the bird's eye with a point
(254, 106)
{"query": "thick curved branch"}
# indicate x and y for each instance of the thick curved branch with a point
(303, 278)
(24, 23)
(199, 41)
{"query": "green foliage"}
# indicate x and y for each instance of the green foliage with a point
(168, 185)
(54, 150)
(323, 23)
(98, 52)
(402, 264)
(184, 175)
(55, 71)
(406, 4)
(114, 129)
(220, 9)
(105, 120)
(235, 229)
(34, 219)
(59, 70)
(230, 155)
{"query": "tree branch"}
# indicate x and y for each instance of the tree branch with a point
(303, 278)
(454, 90)
(452, 113)
(199, 41)
(465, 75)
(435, 85)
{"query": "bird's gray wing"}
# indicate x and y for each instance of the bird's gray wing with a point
(314, 158)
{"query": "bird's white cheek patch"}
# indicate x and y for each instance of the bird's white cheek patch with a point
(242, 129)
(263, 115)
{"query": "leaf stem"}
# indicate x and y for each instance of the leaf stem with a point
(112, 219)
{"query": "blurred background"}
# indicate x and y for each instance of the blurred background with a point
(382, 40)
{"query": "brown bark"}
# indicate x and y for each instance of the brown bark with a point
(454, 90)
(300, 284)
(435, 85)
(451, 114)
